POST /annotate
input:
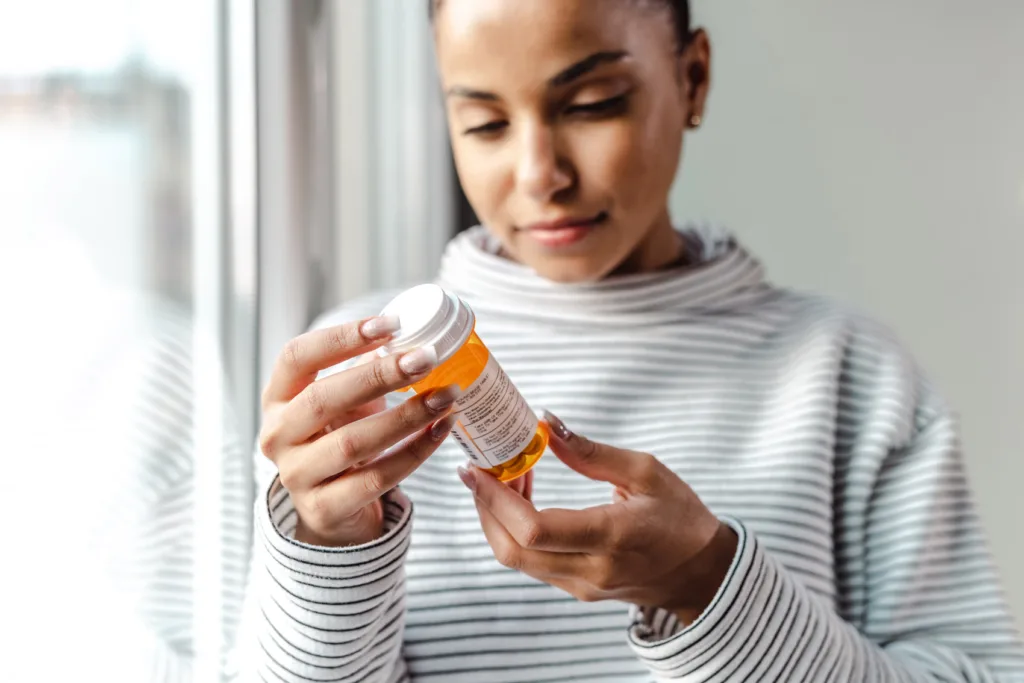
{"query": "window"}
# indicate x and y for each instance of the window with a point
(158, 248)
(127, 262)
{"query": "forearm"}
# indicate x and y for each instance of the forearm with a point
(314, 611)
(708, 571)
(367, 526)
(763, 624)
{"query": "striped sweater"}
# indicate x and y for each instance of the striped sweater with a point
(805, 427)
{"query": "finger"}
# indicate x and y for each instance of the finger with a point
(539, 564)
(365, 358)
(372, 481)
(579, 589)
(323, 401)
(306, 355)
(523, 485)
(638, 473)
(358, 413)
(516, 485)
(556, 530)
(358, 442)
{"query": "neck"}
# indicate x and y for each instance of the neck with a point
(720, 275)
(662, 247)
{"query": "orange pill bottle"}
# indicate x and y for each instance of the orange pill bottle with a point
(495, 426)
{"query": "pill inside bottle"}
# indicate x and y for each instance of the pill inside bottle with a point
(494, 425)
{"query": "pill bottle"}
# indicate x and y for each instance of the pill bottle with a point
(494, 424)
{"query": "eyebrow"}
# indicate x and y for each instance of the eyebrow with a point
(562, 78)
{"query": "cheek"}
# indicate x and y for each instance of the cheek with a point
(632, 162)
(605, 155)
(484, 179)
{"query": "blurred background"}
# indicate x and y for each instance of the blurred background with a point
(185, 185)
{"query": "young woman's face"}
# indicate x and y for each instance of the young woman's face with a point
(567, 118)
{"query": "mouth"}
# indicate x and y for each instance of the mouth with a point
(564, 232)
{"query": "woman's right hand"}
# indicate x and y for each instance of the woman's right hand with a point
(332, 439)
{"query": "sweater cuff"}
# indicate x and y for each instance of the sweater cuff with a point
(276, 521)
(334, 612)
(673, 651)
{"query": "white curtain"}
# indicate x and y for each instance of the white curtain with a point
(394, 186)
(356, 185)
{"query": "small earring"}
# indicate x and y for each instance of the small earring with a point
(695, 120)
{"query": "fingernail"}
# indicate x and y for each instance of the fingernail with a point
(377, 328)
(557, 426)
(442, 428)
(467, 478)
(419, 361)
(442, 399)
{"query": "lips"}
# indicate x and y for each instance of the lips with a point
(566, 231)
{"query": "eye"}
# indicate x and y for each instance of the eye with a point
(612, 105)
(491, 128)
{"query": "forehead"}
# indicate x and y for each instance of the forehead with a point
(481, 42)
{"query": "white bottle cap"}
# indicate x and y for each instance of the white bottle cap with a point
(429, 316)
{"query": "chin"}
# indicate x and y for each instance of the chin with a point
(591, 260)
(578, 270)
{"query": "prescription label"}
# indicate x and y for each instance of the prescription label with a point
(494, 422)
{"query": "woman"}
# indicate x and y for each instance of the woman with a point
(768, 488)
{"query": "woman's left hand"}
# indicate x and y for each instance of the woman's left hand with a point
(655, 545)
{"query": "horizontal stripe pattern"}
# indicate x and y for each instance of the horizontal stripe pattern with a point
(804, 426)
(103, 543)
(150, 528)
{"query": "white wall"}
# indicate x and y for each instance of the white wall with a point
(875, 151)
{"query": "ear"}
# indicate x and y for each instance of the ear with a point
(695, 69)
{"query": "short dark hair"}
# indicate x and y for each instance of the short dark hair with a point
(680, 10)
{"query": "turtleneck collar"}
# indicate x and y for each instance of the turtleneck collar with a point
(720, 276)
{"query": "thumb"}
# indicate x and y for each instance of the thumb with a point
(628, 470)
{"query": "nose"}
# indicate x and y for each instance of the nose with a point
(541, 172)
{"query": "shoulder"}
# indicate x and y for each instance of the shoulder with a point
(878, 376)
(845, 325)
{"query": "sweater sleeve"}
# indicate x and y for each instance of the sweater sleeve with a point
(324, 614)
(927, 599)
